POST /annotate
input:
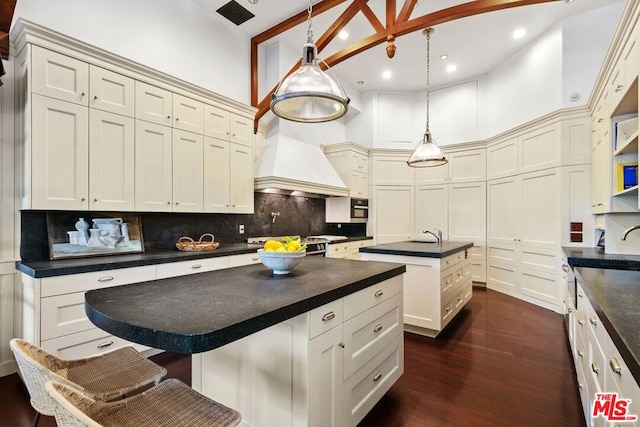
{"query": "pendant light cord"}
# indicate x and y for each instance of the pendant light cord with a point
(309, 30)
(428, 74)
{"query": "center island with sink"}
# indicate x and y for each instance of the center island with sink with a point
(437, 283)
(318, 346)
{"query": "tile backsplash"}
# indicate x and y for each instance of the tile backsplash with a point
(297, 216)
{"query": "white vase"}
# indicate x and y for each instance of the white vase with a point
(82, 226)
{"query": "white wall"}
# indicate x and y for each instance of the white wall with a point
(175, 37)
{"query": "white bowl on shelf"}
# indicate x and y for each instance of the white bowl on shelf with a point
(280, 262)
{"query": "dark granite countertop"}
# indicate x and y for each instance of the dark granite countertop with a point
(200, 312)
(419, 249)
(615, 296)
(84, 265)
(596, 258)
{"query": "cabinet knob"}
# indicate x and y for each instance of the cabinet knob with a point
(95, 98)
(341, 345)
(177, 203)
(580, 322)
(83, 199)
(615, 366)
(580, 353)
(600, 120)
(95, 200)
(177, 119)
(168, 117)
(82, 94)
(168, 203)
(593, 321)
(619, 88)
(595, 368)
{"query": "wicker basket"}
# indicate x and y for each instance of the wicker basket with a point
(187, 244)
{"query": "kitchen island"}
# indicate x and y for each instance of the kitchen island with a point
(437, 284)
(321, 345)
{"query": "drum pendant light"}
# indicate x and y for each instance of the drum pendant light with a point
(427, 153)
(309, 94)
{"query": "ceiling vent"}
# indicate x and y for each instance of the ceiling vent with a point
(235, 13)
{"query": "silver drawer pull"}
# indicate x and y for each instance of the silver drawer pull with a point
(581, 322)
(619, 88)
(580, 295)
(105, 279)
(196, 266)
(378, 294)
(330, 315)
(377, 376)
(565, 268)
(595, 368)
(615, 366)
(255, 258)
(104, 344)
(448, 309)
(378, 327)
(341, 345)
(580, 353)
(593, 321)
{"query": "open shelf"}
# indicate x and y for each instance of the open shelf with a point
(628, 192)
(629, 102)
(629, 146)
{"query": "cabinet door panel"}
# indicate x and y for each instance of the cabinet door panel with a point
(111, 92)
(241, 178)
(393, 208)
(468, 212)
(60, 155)
(153, 181)
(540, 149)
(187, 171)
(326, 404)
(391, 171)
(430, 176)
(60, 76)
(539, 285)
(187, 114)
(216, 175)
(111, 161)
(503, 201)
(217, 122)
(540, 209)
(503, 278)
(431, 211)
(470, 165)
(153, 104)
(242, 130)
(502, 159)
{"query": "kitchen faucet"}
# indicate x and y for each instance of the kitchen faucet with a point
(629, 230)
(437, 236)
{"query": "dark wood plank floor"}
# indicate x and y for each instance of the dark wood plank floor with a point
(502, 362)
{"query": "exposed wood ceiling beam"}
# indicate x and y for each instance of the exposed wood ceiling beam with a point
(7, 8)
(395, 27)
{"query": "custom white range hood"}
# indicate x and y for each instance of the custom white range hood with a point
(286, 165)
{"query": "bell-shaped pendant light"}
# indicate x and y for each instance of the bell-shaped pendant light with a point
(309, 94)
(427, 153)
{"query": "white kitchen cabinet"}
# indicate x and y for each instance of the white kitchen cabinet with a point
(228, 177)
(222, 124)
(467, 166)
(326, 367)
(112, 92)
(183, 268)
(389, 167)
(53, 315)
(153, 104)
(502, 159)
(153, 167)
(432, 176)
(351, 162)
(393, 213)
(431, 211)
(111, 161)
(243, 259)
(187, 114)
(59, 156)
(435, 289)
(347, 250)
(188, 176)
(468, 222)
(59, 76)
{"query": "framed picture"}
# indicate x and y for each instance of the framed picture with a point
(77, 235)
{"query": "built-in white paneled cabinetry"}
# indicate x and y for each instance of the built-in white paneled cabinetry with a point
(538, 184)
(449, 198)
(351, 161)
(327, 367)
(52, 308)
(347, 250)
(102, 133)
(616, 99)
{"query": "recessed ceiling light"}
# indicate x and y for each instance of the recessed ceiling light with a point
(519, 33)
(451, 68)
(445, 56)
(386, 74)
(343, 35)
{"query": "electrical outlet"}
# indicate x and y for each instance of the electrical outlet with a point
(241, 229)
(339, 225)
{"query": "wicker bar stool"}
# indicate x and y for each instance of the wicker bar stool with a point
(170, 403)
(102, 377)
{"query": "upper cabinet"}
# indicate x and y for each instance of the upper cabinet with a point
(102, 133)
(467, 165)
(351, 161)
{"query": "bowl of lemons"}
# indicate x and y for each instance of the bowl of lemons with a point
(282, 256)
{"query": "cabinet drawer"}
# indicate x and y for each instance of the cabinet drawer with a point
(96, 280)
(63, 315)
(86, 343)
(365, 387)
(243, 259)
(446, 286)
(183, 268)
(325, 317)
(367, 334)
(452, 260)
(338, 249)
(360, 301)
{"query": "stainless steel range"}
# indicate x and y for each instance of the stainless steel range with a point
(315, 245)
